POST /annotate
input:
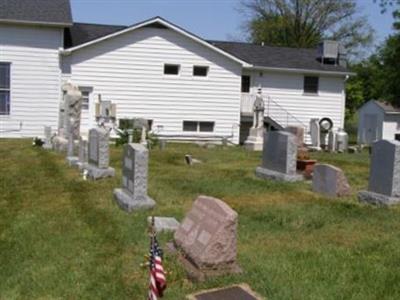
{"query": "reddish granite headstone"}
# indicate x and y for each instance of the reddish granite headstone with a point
(207, 239)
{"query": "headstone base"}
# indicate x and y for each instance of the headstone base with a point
(128, 202)
(164, 224)
(72, 161)
(97, 173)
(198, 275)
(60, 144)
(377, 199)
(256, 145)
(255, 140)
(235, 292)
(274, 175)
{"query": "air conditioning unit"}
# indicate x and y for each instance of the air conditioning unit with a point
(328, 50)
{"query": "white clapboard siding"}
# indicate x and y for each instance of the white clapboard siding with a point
(35, 78)
(128, 70)
(287, 90)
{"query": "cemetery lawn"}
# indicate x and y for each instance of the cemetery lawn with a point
(65, 238)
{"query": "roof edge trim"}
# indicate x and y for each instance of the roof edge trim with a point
(306, 71)
(39, 23)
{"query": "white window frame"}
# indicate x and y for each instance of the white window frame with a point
(304, 85)
(7, 113)
(198, 126)
(172, 64)
(201, 76)
(89, 91)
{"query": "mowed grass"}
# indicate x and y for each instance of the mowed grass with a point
(65, 238)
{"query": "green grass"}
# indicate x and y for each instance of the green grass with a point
(64, 238)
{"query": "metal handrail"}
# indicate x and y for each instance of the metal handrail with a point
(269, 100)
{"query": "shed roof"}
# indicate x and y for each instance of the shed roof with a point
(388, 107)
(46, 12)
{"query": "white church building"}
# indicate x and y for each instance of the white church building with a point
(188, 87)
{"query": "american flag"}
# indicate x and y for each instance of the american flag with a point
(158, 282)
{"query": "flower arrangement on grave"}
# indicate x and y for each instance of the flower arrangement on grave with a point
(37, 142)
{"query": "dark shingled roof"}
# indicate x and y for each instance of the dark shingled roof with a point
(55, 12)
(80, 33)
(277, 57)
(257, 55)
(388, 107)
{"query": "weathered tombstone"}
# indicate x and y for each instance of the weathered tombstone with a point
(298, 132)
(72, 100)
(133, 194)
(315, 133)
(165, 224)
(47, 138)
(330, 181)
(83, 152)
(254, 141)
(60, 144)
(235, 292)
(71, 158)
(279, 157)
(143, 125)
(207, 239)
(384, 179)
(98, 155)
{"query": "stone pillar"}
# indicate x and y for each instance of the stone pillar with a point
(133, 194)
(47, 138)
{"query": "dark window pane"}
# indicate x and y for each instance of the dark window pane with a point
(4, 102)
(4, 75)
(311, 84)
(189, 126)
(245, 84)
(206, 126)
(200, 71)
(171, 69)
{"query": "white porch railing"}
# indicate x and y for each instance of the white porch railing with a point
(273, 110)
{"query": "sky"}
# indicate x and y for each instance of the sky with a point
(210, 19)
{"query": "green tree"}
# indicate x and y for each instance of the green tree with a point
(304, 23)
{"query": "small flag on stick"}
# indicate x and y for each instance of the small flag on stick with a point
(158, 281)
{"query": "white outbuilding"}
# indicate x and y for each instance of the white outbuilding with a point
(378, 120)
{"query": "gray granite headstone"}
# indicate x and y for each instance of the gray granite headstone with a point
(47, 138)
(133, 194)
(384, 180)
(83, 151)
(279, 157)
(330, 181)
(99, 154)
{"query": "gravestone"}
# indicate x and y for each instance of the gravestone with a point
(83, 152)
(315, 133)
(98, 155)
(207, 239)
(235, 292)
(298, 132)
(279, 157)
(133, 194)
(71, 158)
(330, 181)
(384, 179)
(165, 224)
(47, 138)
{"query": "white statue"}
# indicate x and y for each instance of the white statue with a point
(258, 110)
(256, 135)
